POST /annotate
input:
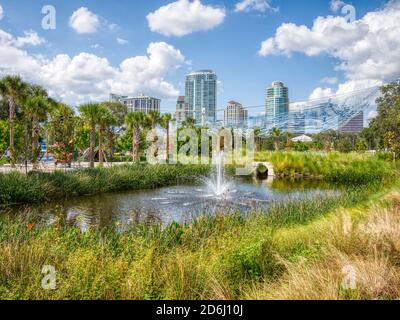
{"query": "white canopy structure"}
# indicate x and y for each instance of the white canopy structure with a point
(302, 138)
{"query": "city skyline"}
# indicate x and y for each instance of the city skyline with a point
(97, 48)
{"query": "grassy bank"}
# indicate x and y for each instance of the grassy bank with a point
(17, 188)
(353, 168)
(224, 257)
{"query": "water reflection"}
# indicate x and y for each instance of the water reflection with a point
(165, 205)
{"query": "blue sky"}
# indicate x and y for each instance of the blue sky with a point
(231, 47)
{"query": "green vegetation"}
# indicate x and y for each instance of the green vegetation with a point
(17, 188)
(353, 168)
(215, 257)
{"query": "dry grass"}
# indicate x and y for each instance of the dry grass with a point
(359, 259)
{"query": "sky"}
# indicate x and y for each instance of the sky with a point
(83, 50)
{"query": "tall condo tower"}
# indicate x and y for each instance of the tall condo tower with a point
(277, 106)
(201, 95)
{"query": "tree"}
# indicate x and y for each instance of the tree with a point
(106, 120)
(91, 113)
(386, 126)
(35, 110)
(62, 132)
(136, 121)
(276, 134)
(153, 118)
(361, 145)
(392, 143)
(257, 136)
(165, 123)
(189, 123)
(13, 90)
(119, 111)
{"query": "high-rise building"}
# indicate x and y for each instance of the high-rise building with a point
(140, 103)
(182, 110)
(201, 95)
(235, 115)
(297, 122)
(277, 106)
(354, 125)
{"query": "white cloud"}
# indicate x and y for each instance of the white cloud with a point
(88, 77)
(255, 5)
(336, 5)
(367, 50)
(183, 17)
(329, 80)
(30, 38)
(1, 13)
(84, 21)
(320, 93)
(122, 41)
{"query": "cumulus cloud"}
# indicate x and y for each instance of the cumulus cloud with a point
(367, 49)
(84, 21)
(183, 17)
(254, 5)
(1, 13)
(122, 41)
(320, 93)
(30, 38)
(88, 77)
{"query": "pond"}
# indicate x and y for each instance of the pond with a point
(165, 205)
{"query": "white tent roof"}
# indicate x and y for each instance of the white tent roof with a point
(302, 138)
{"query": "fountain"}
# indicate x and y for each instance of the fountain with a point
(217, 184)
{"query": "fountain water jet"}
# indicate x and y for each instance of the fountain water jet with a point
(217, 184)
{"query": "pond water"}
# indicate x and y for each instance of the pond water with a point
(176, 203)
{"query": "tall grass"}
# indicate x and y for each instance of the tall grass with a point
(216, 257)
(353, 168)
(16, 188)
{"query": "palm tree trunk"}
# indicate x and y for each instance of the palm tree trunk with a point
(168, 143)
(92, 144)
(101, 155)
(12, 130)
(135, 144)
(34, 144)
(112, 144)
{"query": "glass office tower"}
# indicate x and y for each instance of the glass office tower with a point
(201, 95)
(277, 106)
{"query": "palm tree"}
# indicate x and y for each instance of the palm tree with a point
(189, 123)
(106, 120)
(136, 121)
(257, 136)
(165, 123)
(119, 111)
(91, 113)
(35, 110)
(13, 90)
(276, 133)
(154, 118)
